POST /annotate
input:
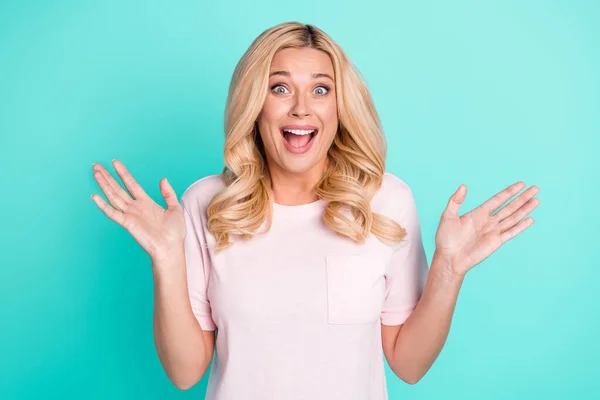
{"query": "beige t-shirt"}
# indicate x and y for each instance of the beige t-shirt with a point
(298, 310)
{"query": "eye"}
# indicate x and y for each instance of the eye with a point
(322, 87)
(273, 88)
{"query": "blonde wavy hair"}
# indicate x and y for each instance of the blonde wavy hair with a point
(356, 158)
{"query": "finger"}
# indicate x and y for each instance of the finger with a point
(515, 230)
(113, 183)
(168, 193)
(500, 198)
(519, 214)
(455, 201)
(114, 199)
(131, 184)
(517, 203)
(110, 212)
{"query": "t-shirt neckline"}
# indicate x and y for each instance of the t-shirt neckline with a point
(299, 210)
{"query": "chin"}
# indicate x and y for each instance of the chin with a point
(298, 165)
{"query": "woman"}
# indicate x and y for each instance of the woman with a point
(304, 255)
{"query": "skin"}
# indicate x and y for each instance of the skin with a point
(184, 349)
(462, 242)
(299, 98)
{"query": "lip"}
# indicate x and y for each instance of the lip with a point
(307, 146)
(305, 127)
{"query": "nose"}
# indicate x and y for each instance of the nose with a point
(300, 108)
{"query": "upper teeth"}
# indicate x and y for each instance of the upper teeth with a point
(299, 131)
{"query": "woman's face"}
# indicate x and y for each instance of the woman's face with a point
(299, 118)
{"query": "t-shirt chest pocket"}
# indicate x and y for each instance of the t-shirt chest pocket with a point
(355, 288)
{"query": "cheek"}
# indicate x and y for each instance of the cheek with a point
(328, 114)
(265, 120)
(273, 110)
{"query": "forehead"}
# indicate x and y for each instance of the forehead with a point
(302, 61)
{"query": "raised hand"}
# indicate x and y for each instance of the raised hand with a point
(467, 240)
(157, 230)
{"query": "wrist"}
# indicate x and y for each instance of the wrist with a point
(168, 249)
(446, 266)
(168, 258)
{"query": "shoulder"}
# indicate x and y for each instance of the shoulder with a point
(200, 193)
(394, 197)
(393, 189)
(392, 183)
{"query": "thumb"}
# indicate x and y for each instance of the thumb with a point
(168, 193)
(455, 201)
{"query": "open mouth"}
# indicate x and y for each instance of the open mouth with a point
(299, 138)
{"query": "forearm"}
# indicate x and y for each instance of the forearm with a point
(178, 337)
(424, 333)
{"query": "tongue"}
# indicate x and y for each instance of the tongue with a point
(297, 140)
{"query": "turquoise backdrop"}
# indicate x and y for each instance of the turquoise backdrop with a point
(484, 93)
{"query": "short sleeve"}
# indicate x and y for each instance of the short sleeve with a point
(197, 268)
(407, 269)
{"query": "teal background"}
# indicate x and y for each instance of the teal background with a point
(484, 93)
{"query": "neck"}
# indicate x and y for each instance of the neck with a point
(291, 188)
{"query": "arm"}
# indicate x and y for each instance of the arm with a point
(179, 270)
(411, 348)
(462, 242)
(184, 349)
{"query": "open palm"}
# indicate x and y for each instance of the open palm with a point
(156, 229)
(469, 239)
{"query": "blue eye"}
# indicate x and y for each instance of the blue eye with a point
(274, 86)
(324, 87)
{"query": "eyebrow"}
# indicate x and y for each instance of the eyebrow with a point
(315, 75)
